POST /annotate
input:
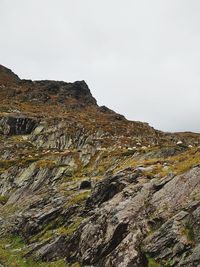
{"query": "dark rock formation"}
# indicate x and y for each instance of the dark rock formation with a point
(59, 92)
(17, 125)
(7, 77)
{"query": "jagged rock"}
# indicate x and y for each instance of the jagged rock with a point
(34, 220)
(105, 234)
(193, 260)
(49, 250)
(55, 141)
(157, 244)
(55, 91)
(17, 125)
(109, 187)
(7, 77)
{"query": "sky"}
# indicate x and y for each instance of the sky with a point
(140, 58)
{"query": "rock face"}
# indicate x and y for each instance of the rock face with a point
(82, 186)
(17, 125)
(156, 219)
(51, 91)
(7, 77)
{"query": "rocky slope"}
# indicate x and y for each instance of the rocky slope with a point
(82, 186)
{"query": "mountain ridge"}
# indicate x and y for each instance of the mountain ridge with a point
(82, 186)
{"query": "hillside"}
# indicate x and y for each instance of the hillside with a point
(80, 185)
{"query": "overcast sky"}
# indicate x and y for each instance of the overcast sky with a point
(139, 57)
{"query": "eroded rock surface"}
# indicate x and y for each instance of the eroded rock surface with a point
(141, 221)
(17, 125)
(80, 184)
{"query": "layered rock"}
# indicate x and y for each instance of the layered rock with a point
(17, 125)
(143, 220)
(81, 184)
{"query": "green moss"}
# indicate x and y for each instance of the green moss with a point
(3, 199)
(76, 265)
(47, 232)
(189, 233)
(56, 228)
(12, 251)
(71, 229)
(17, 138)
(79, 198)
(153, 263)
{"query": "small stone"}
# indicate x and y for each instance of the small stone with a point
(179, 143)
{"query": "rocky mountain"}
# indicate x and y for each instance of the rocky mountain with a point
(80, 185)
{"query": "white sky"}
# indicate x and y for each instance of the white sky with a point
(139, 57)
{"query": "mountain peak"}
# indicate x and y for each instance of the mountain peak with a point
(7, 77)
(45, 91)
(71, 171)
(51, 91)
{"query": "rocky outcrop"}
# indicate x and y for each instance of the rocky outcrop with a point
(140, 221)
(7, 77)
(49, 250)
(76, 95)
(80, 183)
(17, 125)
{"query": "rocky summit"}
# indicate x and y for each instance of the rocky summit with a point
(80, 185)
